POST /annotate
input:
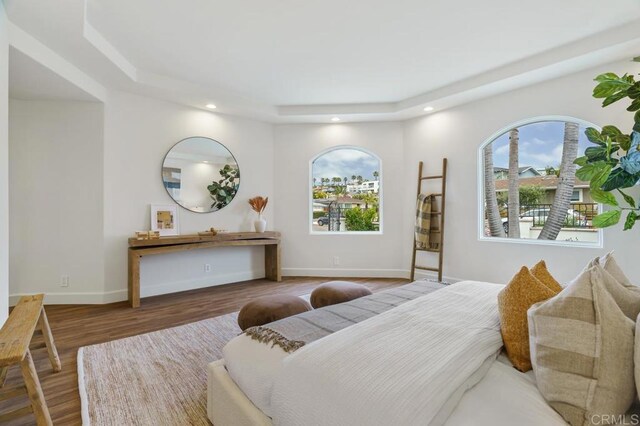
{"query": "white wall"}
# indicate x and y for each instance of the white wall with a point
(359, 255)
(138, 133)
(56, 199)
(4, 165)
(458, 132)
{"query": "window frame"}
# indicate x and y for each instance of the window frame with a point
(367, 151)
(480, 187)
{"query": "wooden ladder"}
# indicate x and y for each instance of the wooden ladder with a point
(443, 196)
(15, 340)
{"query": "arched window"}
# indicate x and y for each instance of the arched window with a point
(346, 192)
(528, 190)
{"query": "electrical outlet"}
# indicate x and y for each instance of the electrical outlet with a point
(207, 267)
(336, 261)
(64, 281)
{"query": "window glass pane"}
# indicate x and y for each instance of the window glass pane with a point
(346, 188)
(530, 191)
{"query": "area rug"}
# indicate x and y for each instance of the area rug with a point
(158, 378)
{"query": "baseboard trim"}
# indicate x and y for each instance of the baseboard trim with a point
(97, 298)
(88, 298)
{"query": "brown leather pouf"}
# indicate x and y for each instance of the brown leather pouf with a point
(335, 292)
(268, 309)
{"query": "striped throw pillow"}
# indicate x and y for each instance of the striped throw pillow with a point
(626, 294)
(582, 349)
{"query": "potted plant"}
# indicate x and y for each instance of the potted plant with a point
(613, 164)
(258, 204)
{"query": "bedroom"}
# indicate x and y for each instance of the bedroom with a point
(95, 94)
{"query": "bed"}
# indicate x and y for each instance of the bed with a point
(433, 359)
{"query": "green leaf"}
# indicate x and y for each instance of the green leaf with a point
(625, 142)
(594, 136)
(606, 219)
(587, 172)
(611, 131)
(636, 119)
(619, 179)
(581, 161)
(596, 153)
(636, 59)
(603, 197)
(634, 91)
(614, 98)
(606, 77)
(631, 220)
(628, 198)
(635, 105)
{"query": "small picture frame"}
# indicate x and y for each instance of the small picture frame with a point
(164, 219)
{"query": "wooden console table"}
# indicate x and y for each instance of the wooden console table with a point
(139, 248)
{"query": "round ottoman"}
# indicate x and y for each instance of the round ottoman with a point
(335, 292)
(268, 309)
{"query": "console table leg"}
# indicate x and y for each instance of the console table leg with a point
(272, 267)
(134, 279)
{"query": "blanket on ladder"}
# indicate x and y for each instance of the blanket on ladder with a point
(426, 230)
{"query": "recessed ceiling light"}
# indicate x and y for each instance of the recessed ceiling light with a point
(335, 119)
(211, 106)
(428, 109)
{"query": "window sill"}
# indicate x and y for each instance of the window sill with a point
(556, 243)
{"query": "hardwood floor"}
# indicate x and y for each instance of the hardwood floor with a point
(75, 326)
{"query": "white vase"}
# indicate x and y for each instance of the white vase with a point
(260, 224)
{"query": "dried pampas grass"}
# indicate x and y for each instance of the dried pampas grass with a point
(258, 204)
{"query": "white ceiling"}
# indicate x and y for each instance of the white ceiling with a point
(31, 80)
(292, 60)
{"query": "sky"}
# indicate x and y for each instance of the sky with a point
(540, 145)
(345, 163)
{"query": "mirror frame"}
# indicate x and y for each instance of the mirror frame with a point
(165, 159)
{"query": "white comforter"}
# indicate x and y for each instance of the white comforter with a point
(407, 366)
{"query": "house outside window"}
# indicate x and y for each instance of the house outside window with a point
(528, 191)
(346, 192)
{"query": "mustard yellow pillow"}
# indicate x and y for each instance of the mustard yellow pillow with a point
(541, 272)
(523, 291)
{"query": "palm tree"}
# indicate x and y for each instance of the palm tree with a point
(314, 181)
(353, 178)
(375, 175)
(513, 205)
(566, 181)
(336, 179)
(345, 180)
(340, 190)
(491, 201)
(359, 179)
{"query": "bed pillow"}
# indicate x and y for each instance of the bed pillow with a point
(636, 356)
(541, 272)
(582, 351)
(513, 302)
(626, 295)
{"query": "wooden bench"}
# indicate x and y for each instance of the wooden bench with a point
(15, 339)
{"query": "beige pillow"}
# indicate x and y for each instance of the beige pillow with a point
(541, 272)
(513, 302)
(636, 356)
(626, 295)
(582, 350)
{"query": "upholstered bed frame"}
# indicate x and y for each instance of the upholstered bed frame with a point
(227, 404)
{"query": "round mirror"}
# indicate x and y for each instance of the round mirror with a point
(201, 174)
